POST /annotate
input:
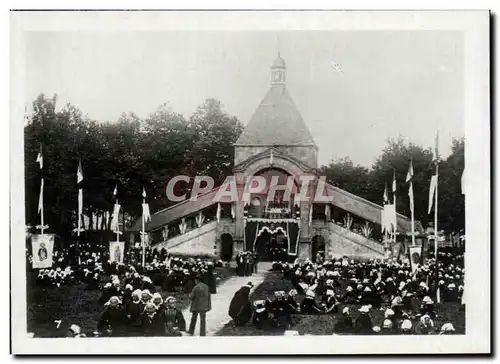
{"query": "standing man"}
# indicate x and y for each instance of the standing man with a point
(201, 303)
(255, 262)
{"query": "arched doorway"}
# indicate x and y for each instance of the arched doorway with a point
(226, 247)
(272, 245)
(318, 248)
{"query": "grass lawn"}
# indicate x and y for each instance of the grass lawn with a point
(75, 305)
(325, 324)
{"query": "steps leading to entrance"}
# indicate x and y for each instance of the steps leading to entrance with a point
(347, 242)
(199, 241)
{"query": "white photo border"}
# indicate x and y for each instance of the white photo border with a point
(475, 28)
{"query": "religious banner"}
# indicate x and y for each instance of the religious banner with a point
(415, 257)
(116, 251)
(250, 234)
(42, 246)
(293, 230)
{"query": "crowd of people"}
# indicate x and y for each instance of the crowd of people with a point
(339, 287)
(246, 263)
(132, 305)
(93, 264)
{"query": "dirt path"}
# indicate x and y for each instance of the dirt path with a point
(218, 316)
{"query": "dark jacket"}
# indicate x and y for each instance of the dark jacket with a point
(114, 320)
(344, 325)
(240, 309)
(363, 325)
(152, 326)
(200, 298)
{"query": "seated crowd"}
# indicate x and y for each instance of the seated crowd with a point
(341, 286)
(132, 305)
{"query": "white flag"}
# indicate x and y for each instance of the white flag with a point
(432, 191)
(409, 175)
(40, 198)
(218, 212)
(383, 219)
(386, 195)
(391, 217)
(42, 249)
(410, 194)
(145, 213)
(79, 172)
(394, 182)
(39, 158)
(80, 203)
(115, 226)
(310, 215)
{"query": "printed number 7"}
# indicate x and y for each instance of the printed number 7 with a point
(58, 322)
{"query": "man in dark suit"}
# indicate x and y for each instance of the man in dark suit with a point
(201, 303)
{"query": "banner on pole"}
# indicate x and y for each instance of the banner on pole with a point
(415, 257)
(42, 246)
(116, 251)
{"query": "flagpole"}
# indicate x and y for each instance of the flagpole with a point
(436, 234)
(117, 232)
(39, 160)
(143, 236)
(436, 220)
(395, 210)
(42, 227)
(412, 217)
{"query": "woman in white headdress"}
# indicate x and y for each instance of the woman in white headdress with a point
(425, 326)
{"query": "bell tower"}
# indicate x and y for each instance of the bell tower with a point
(278, 71)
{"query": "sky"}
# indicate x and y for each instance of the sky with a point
(393, 83)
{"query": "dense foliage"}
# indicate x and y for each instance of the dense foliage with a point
(130, 153)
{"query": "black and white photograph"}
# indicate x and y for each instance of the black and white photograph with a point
(287, 182)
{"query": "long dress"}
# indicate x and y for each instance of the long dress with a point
(240, 309)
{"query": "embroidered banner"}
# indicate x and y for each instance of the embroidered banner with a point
(42, 249)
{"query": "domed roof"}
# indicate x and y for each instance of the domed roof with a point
(279, 62)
